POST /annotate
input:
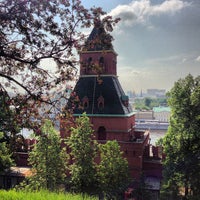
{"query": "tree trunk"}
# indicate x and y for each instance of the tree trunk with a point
(186, 189)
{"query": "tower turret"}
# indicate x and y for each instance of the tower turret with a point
(97, 55)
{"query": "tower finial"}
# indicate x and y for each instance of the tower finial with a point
(98, 39)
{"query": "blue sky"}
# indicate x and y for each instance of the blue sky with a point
(157, 41)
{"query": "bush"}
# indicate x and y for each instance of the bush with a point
(40, 195)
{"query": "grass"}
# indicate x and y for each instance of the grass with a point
(41, 195)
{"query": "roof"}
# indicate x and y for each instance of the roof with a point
(104, 97)
(98, 39)
(161, 109)
(19, 171)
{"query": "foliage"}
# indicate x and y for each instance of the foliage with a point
(48, 160)
(113, 168)
(5, 157)
(33, 33)
(170, 191)
(87, 174)
(83, 151)
(9, 125)
(40, 195)
(141, 192)
(148, 103)
(181, 143)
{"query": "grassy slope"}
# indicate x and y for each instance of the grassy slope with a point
(42, 195)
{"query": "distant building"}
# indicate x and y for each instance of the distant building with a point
(13, 176)
(156, 119)
(144, 115)
(156, 92)
(131, 94)
(161, 113)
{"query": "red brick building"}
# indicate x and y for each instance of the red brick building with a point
(99, 94)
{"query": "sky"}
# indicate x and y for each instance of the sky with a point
(157, 41)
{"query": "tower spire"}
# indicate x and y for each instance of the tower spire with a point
(97, 56)
(98, 39)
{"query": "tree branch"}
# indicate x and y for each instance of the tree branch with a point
(17, 82)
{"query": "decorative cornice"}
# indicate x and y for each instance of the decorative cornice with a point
(100, 51)
(106, 115)
(97, 75)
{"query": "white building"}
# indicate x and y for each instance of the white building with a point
(162, 114)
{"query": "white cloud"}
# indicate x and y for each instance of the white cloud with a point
(198, 59)
(169, 7)
(159, 43)
(184, 60)
(139, 11)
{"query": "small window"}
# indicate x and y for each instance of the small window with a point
(100, 101)
(101, 64)
(101, 133)
(125, 100)
(89, 60)
(85, 102)
(89, 64)
(101, 61)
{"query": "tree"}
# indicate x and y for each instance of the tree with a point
(34, 32)
(112, 171)
(48, 159)
(83, 151)
(5, 157)
(9, 125)
(147, 101)
(181, 143)
(95, 166)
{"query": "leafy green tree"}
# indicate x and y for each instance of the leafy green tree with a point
(141, 192)
(48, 159)
(83, 151)
(5, 157)
(113, 172)
(9, 125)
(88, 176)
(147, 101)
(181, 143)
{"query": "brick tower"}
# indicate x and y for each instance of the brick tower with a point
(101, 96)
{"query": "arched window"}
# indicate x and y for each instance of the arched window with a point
(125, 100)
(100, 102)
(89, 61)
(85, 102)
(101, 60)
(101, 63)
(101, 133)
(89, 65)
